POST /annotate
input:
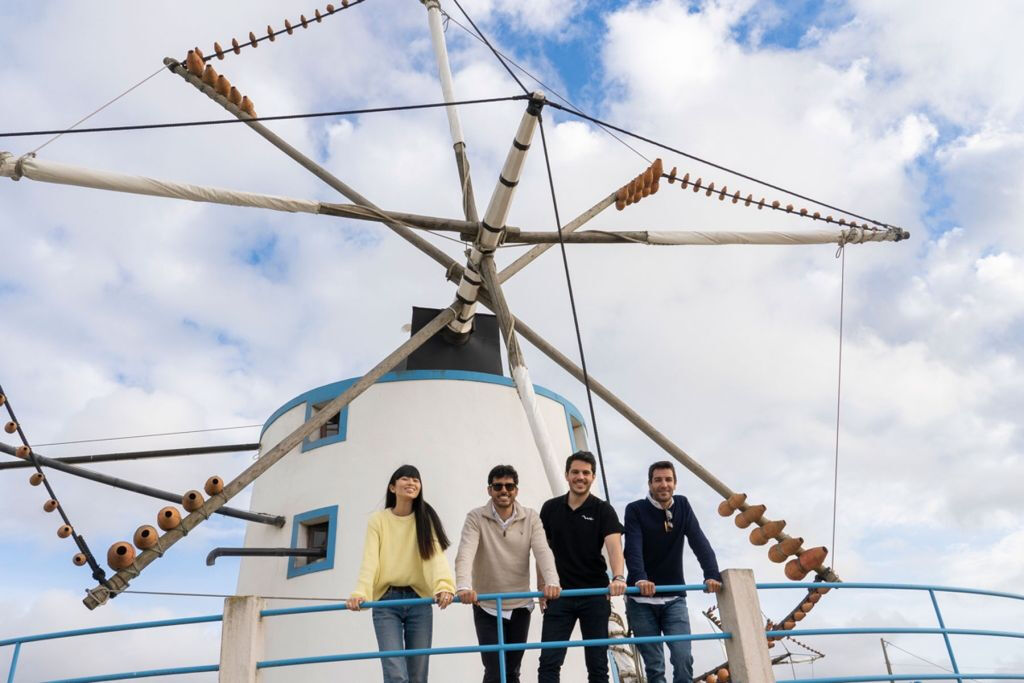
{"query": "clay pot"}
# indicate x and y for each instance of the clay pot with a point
(63, 531)
(3, 399)
(791, 545)
(192, 501)
(36, 479)
(145, 537)
(749, 516)
(50, 505)
(79, 559)
(11, 427)
(822, 591)
(223, 86)
(725, 509)
(168, 518)
(194, 63)
(23, 452)
(794, 571)
(209, 75)
(213, 485)
(812, 559)
(798, 616)
(758, 537)
(776, 555)
(736, 500)
(234, 97)
(813, 597)
(120, 555)
(711, 678)
(774, 528)
(788, 625)
(247, 106)
(807, 606)
(723, 675)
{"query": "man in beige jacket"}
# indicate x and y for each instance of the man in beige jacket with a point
(494, 557)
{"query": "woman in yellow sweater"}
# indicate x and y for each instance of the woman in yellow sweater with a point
(403, 558)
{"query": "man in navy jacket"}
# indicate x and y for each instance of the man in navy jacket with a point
(655, 529)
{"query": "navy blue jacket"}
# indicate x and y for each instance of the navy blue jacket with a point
(654, 554)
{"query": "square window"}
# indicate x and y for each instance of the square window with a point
(313, 529)
(331, 431)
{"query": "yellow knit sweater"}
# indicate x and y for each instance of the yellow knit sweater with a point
(391, 557)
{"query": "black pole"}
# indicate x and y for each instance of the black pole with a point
(273, 520)
(141, 455)
(263, 552)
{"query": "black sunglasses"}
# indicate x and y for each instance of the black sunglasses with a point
(502, 485)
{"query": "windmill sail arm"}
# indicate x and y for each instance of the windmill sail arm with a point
(65, 174)
(845, 235)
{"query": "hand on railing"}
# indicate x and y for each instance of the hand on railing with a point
(355, 604)
(443, 599)
(710, 586)
(467, 596)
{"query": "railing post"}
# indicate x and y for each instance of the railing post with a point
(740, 610)
(945, 636)
(501, 641)
(14, 662)
(241, 639)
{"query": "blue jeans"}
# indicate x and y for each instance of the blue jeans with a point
(654, 620)
(407, 627)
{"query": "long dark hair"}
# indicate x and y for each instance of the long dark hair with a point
(428, 524)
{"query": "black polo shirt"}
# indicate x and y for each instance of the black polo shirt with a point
(576, 538)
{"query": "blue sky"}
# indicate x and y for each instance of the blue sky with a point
(128, 315)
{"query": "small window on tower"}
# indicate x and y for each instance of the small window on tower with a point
(313, 529)
(316, 537)
(579, 434)
(332, 426)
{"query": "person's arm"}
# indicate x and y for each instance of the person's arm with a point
(368, 569)
(613, 546)
(701, 548)
(438, 574)
(547, 573)
(634, 553)
(468, 545)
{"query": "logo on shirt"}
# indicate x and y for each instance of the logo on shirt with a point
(589, 519)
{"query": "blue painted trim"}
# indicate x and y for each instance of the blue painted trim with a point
(327, 514)
(329, 391)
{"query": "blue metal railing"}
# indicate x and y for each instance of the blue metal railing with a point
(501, 647)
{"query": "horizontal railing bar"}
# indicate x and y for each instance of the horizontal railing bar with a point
(908, 677)
(894, 629)
(889, 586)
(110, 629)
(469, 649)
(205, 668)
(569, 593)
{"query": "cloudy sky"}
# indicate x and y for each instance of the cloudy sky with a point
(127, 315)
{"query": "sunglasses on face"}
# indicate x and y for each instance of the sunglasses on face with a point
(510, 487)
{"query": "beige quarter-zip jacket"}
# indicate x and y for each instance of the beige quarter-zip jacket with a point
(492, 560)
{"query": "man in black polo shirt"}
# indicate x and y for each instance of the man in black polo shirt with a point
(578, 525)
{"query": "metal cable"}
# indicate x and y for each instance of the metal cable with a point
(572, 305)
(143, 436)
(281, 117)
(739, 174)
(547, 88)
(97, 572)
(497, 54)
(839, 394)
(89, 116)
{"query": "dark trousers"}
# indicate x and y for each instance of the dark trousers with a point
(559, 620)
(515, 631)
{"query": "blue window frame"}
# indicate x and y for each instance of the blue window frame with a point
(301, 524)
